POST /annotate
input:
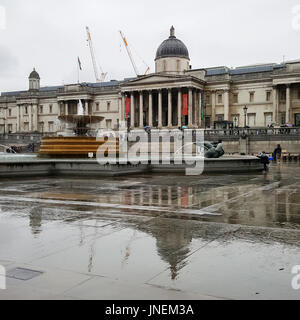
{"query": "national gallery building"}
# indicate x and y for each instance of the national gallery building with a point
(174, 96)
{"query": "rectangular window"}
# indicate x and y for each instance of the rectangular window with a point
(41, 126)
(26, 126)
(236, 120)
(41, 109)
(108, 106)
(268, 96)
(252, 120)
(220, 117)
(220, 98)
(26, 110)
(9, 112)
(268, 119)
(97, 106)
(50, 108)
(236, 98)
(207, 122)
(108, 124)
(207, 99)
(51, 126)
(251, 99)
(10, 128)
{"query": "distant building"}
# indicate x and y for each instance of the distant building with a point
(175, 95)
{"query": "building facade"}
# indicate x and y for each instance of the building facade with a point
(175, 95)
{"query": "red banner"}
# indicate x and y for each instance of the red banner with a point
(185, 107)
(127, 107)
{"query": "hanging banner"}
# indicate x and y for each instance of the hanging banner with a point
(127, 108)
(185, 107)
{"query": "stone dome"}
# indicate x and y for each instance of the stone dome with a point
(34, 75)
(172, 47)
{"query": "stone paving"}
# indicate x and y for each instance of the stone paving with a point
(152, 236)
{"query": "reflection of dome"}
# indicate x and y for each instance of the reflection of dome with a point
(34, 75)
(172, 47)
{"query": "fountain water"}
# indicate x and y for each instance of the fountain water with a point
(77, 144)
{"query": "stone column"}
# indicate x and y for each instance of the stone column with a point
(123, 106)
(170, 123)
(200, 109)
(190, 124)
(132, 111)
(160, 108)
(226, 105)
(141, 109)
(275, 104)
(35, 118)
(66, 108)
(30, 117)
(195, 110)
(18, 119)
(213, 103)
(288, 103)
(179, 104)
(150, 109)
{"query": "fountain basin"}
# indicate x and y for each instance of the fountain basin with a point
(74, 147)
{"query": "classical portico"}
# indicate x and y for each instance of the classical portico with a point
(158, 101)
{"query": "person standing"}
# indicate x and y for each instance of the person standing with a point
(265, 161)
(277, 154)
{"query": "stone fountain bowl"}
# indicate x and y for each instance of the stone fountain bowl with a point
(80, 120)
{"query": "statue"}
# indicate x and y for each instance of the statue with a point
(213, 150)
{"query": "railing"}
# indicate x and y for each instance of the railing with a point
(25, 138)
(255, 132)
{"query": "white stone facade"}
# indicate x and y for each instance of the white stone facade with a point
(270, 92)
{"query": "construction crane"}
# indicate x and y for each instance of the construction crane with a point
(131, 57)
(103, 75)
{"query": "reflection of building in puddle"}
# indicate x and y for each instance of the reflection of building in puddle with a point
(172, 241)
(35, 220)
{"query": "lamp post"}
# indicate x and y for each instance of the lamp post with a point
(245, 113)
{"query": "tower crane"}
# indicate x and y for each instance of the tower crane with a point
(90, 42)
(131, 57)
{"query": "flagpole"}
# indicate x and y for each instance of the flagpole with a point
(78, 71)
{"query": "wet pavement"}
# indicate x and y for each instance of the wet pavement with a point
(152, 236)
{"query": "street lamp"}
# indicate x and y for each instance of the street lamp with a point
(245, 113)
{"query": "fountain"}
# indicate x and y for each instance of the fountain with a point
(76, 143)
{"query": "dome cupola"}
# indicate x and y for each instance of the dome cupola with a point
(172, 47)
(34, 80)
(172, 56)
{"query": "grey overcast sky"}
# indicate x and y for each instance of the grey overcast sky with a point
(50, 34)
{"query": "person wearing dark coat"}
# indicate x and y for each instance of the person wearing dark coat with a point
(277, 153)
(265, 161)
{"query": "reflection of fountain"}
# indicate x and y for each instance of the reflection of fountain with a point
(80, 145)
